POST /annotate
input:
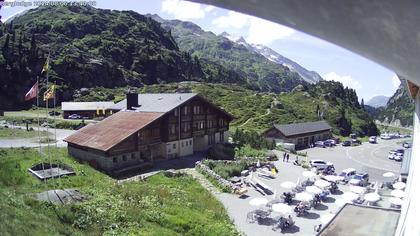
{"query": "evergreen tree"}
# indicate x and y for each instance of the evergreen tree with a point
(363, 104)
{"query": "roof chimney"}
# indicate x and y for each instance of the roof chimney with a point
(132, 100)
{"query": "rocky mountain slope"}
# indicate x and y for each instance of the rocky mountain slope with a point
(399, 109)
(262, 73)
(92, 47)
(378, 101)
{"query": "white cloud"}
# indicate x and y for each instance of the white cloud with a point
(259, 31)
(265, 32)
(183, 10)
(346, 80)
(232, 19)
(396, 81)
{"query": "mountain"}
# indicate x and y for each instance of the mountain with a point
(270, 54)
(378, 101)
(91, 47)
(263, 74)
(399, 109)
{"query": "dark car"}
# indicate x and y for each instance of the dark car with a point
(407, 144)
(346, 143)
(54, 113)
(399, 151)
(356, 141)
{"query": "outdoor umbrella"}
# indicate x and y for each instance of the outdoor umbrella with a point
(308, 174)
(322, 183)
(396, 201)
(372, 197)
(333, 178)
(350, 196)
(288, 185)
(282, 208)
(313, 189)
(397, 193)
(258, 202)
(326, 218)
(399, 185)
(388, 174)
(357, 189)
(304, 197)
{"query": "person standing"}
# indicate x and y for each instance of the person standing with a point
(284, 156)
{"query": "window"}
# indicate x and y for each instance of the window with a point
(190, 142)
(211, 139)
(172, 129)
(222, 137)
(176, 112)
(156, 132)
(133, 156)
(115, 159)
(197, 110)
(174, 146)
(124, 158)
(186, 110)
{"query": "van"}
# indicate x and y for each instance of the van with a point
(348, 173)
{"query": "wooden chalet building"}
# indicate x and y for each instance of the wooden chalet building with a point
(299, 134)
(150, 127)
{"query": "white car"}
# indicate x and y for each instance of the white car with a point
(348, 174)
(391, 155)
(320, 164)
(372, 139)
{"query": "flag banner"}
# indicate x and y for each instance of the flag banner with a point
(50, 93)
(46, 66)
(32, 93)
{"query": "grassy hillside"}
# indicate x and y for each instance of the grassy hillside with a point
(157, 206)
(258, 110)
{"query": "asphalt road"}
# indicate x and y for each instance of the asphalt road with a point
(370, 158)
(33, 142)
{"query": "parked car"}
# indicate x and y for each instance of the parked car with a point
(346, 143)
(348, 174)
(372, 139)
(54, 113)
(356, 141)
(385, 136)
(407, 144)
(74, 116)
(391, 155)
(353, 136)
(330, 142)
(320, 164)
(399, 156)
(320, 144)
(360, 179)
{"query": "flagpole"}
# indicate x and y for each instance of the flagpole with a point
(46, 103)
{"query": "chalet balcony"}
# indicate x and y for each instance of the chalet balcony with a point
(150, 141)
(186, 118)
(223, 129)
(200, 132)
(199, 117)
(186, 135)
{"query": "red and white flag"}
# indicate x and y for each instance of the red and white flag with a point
(32, 93)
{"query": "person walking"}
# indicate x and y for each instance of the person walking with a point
(287, 157)
(284, 156)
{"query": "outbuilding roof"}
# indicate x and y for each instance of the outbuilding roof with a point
(303, 128)
(157, 102)
(86, 106)
(112, 130)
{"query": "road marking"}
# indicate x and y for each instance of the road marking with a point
(364, 163)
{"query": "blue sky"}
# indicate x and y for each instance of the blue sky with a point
(330, 61)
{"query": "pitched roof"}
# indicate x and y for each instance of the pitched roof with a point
(157, 102)
(112, 130)
(81, 106)
(303, 128)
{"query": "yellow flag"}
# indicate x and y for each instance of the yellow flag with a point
(46, 66)
(50, 93)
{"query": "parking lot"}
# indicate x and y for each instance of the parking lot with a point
(370, 158)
